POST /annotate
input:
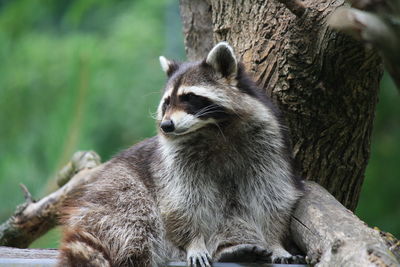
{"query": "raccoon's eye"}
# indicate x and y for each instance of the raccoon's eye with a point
(188, 97)
(165, 105)
(166, 102)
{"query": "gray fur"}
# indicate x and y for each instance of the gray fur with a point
(225, 188)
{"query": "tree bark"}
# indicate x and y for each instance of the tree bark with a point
(324, 82)
(196, 17)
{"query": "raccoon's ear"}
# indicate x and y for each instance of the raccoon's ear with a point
(168, 66)
(223, 59)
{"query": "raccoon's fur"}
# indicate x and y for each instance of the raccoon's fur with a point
(216, 183)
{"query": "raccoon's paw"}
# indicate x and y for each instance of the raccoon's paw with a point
(244, 253)
(198, 258)
(297, 259)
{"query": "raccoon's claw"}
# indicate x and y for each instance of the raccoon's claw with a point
(297, 259)
(199, 259)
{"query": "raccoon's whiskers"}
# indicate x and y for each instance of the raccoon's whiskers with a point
(214, 109)
(220, 130)
(210, 112)
(206, 110)
(153, 115)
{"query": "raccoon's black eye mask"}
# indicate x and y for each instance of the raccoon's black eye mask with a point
(165, 105)
(195, 101)
(202, 107)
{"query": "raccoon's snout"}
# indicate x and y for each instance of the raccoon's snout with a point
(167, 126)
(179, 123)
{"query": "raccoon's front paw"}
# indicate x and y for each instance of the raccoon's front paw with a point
(280, 255)
(244, 253)
(297, 259)
(198, 258)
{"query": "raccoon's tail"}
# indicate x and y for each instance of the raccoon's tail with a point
(82, 249)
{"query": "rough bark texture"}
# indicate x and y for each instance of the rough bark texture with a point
(334, 236)
(196, 27)
(325, 83)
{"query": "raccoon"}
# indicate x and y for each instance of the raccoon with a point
(217, 183)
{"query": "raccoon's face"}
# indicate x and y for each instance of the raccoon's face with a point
(198, 95)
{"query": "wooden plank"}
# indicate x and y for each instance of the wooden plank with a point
(16, 257)
(17, 253)
(28, 262)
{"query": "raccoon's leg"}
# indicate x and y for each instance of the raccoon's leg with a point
(276, 231)
(240, 241)
(184, 233)
(115, 222)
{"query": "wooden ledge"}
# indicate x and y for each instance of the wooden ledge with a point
(16, 257)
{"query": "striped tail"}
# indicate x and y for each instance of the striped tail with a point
(82, 249)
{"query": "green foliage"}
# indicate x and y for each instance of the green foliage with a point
(75, 75)
(379, 203)
(84, 74)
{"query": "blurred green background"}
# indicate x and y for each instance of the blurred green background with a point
(84, 75)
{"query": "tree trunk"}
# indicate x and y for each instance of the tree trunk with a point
(324, 82)
(197, 28)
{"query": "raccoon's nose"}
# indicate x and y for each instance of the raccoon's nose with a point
(167, 126)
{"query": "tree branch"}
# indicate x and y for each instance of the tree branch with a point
(33, 219)
(332, 235)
